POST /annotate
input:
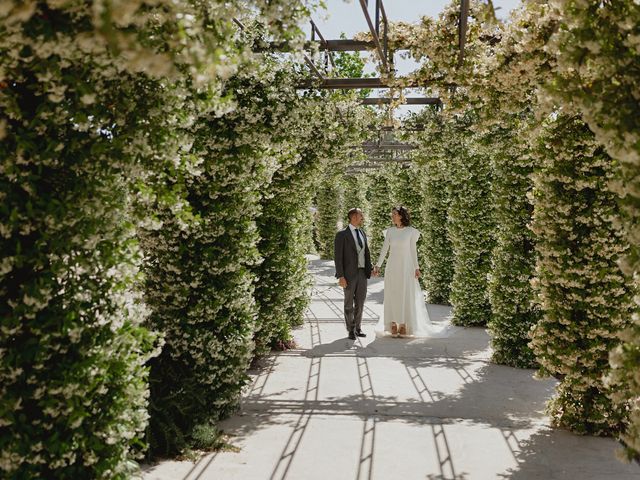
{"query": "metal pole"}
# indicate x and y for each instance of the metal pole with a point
(462, 31)
(376, 39)
(323, 42)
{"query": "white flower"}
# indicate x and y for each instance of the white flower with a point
(88, 98)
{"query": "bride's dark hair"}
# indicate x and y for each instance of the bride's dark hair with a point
(405, 218)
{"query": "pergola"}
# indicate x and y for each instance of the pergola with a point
(379, 30)
(385, 150)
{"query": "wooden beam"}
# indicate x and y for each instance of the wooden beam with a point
(388, 146)
(376, 163)
(397, 156)
(414, 128)
(352, 169)
(354, 83)
(346, 45)
(342, 45)
(374, 147)
(407, 101)
(385, 144)
(387, 160)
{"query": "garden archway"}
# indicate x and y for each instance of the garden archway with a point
(156, 184)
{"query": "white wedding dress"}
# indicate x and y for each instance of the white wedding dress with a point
(403, 298)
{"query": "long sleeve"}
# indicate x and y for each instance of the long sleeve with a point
(338, 246)
(414, 248)
(385, 249)
(367, 257)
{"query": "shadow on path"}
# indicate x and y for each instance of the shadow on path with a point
(438, 401)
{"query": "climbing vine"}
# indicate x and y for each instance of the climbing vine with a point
(355, 188)
(380, 199)
(200, 273)
(286, 224)
(96, 107)
(586, 300)
(329, 212)
(157, 180)
(434, 249)
(597, 45)
(513, 304)
(470, 228)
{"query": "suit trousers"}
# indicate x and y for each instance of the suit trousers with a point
(354, 296)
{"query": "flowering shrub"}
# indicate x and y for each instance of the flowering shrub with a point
(585, 298)
(408, 190)
(470, 227)
(354, 191)
(95, 97)
(73, 381)
(505, 98)
(200, 273)
(380, 199)
(623, 386)
(78, 92)
(283, 286)
(283, 283)
(598, 55)
(330, 211)
(513, 304)
(434, 250)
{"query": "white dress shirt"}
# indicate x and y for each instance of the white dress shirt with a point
(355, 236)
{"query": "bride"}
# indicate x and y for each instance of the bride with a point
(405, 312)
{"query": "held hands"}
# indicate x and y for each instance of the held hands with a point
(376, 272)
(342, 282)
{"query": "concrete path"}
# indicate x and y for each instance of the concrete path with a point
(389, 408)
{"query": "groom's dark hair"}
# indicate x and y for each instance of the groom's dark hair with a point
(352, 212)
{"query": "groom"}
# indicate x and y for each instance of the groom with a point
(353, 268)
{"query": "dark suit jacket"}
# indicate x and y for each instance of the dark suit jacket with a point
(346, 255)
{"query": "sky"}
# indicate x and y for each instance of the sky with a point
(346, 16)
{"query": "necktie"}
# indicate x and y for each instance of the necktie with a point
(358, 237)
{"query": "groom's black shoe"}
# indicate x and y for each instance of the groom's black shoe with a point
(352, 335)
(360, 333)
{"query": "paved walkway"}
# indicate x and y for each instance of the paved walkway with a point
(390, 409)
